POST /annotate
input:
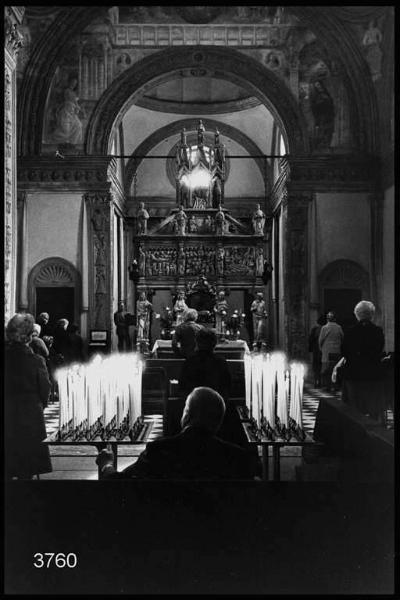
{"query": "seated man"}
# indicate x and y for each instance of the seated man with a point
(195, 453)
(183, 340)
(205, 368)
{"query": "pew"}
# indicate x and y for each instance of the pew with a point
(159, 396)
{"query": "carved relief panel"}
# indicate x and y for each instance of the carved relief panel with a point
(100, 251)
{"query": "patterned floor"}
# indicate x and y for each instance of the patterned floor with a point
(78, 462)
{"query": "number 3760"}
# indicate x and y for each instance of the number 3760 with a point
(47, 559)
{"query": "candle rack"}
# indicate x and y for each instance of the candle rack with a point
(274, 397)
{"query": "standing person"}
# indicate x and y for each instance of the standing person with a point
(330, 343)
(362, 348)
(61, 342)
(122, 328)
(313, 347)
(43, 320)
(184, 337)
(37, 344)
(75, 344)
(27, 388)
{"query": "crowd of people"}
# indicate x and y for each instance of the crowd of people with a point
(353, 360)
(210, 442)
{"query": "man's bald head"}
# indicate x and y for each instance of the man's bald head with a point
(204, 408)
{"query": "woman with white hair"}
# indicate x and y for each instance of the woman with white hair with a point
(37, 344)
(362, 350)
(27, 388)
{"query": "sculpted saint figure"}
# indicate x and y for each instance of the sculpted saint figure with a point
(142, 217)
(221, 311)
(258, 308)
(258, 221)
(180, 308)
(143, 310)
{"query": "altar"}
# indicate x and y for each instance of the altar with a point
(234, 349)
(202, 252)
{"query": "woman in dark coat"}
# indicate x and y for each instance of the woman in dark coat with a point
(362, 373)
(27, 388)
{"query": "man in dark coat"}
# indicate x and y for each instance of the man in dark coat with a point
(184, 337)
(195, 453)
(205, 368)
(27, 388)
(122, 328)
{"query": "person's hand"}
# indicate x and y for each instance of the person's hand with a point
(105, 458)
(334, 376)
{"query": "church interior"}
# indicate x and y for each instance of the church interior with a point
(219, 156)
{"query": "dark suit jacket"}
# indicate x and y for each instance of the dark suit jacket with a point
(185, 334)
(192, 454)
(362, 347)
(208, 370)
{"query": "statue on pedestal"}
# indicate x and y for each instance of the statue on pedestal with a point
(142, 217)
(192, 225)
(258, 220)
(143, 311)
(217, 192)
(180, 221)
(259, 262)
(258, 308)
(220, 221)
(221, 311)
(180, 308)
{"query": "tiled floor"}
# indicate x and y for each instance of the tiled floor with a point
(78, 462)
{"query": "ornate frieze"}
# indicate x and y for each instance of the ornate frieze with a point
(158, 261)
(65, 171)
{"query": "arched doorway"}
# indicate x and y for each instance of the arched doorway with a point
(54, 287)
(343, 283)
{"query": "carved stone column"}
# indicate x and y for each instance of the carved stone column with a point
(13, 42)
(22, 253)
(99, 207)
(296, 274)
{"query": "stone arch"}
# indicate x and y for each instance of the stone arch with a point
(223, 63)
(345, 273)
(344, 283)
(320, 20)
(172, 128)
(54, 272)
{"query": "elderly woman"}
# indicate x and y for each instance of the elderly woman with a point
(37, 344)
(27, 388)
(362, 350)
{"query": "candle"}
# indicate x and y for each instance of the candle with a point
(247, 381)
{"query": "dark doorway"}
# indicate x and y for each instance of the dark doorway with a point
(57, 301)
(342, 302)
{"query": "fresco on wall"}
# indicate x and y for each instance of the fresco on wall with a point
(272, 15)
(371, 42)
(64, 114)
